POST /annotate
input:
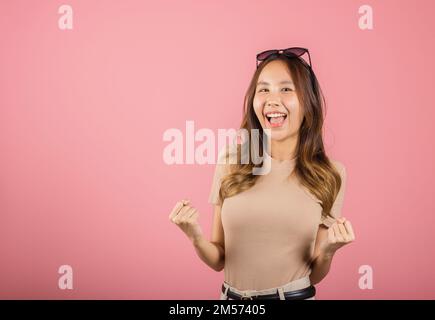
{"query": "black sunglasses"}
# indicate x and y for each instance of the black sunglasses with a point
(294, 52)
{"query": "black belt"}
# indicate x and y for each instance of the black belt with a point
(301, 294)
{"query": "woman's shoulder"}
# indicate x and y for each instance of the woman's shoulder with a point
(227, 155)
(339, 165)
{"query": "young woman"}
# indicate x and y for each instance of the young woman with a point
(275, 234)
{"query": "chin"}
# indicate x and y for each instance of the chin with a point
(279, 136)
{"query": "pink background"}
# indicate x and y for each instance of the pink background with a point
(82, 116)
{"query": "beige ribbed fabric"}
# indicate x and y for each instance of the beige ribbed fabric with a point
(270, 229)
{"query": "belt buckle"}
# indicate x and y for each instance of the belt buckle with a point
(246, 297)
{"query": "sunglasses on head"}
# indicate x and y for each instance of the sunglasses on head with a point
(294, 52)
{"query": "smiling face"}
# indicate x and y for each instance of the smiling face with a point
(276, 103)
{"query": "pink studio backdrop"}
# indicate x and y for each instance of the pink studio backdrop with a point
(83, 112)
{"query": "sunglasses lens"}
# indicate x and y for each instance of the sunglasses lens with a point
(265, 54)
(295, 51)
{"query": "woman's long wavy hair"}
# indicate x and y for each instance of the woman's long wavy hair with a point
(312, 168)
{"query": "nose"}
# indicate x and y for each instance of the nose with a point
(273, 99)
(272, 104)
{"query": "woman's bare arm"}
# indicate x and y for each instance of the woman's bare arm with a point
(321, 262)
(212, 252)
(328, 241)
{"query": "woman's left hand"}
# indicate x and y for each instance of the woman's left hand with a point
(340, 233)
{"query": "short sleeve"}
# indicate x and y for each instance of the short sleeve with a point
(338, 203)
(221, 170)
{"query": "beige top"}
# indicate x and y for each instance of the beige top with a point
(270, 229)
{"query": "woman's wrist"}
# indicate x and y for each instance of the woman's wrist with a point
(197, 240)
(327, 254)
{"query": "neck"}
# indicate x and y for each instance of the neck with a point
(284, 149)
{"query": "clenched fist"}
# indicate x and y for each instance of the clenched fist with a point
(186, 217)
(339, 234)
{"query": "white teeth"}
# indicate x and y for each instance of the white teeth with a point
(274, 115)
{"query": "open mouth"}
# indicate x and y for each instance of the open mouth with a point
(275, 119)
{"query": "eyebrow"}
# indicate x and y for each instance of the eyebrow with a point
(282, 82)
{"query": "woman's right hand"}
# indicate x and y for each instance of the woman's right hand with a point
(186, 218)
